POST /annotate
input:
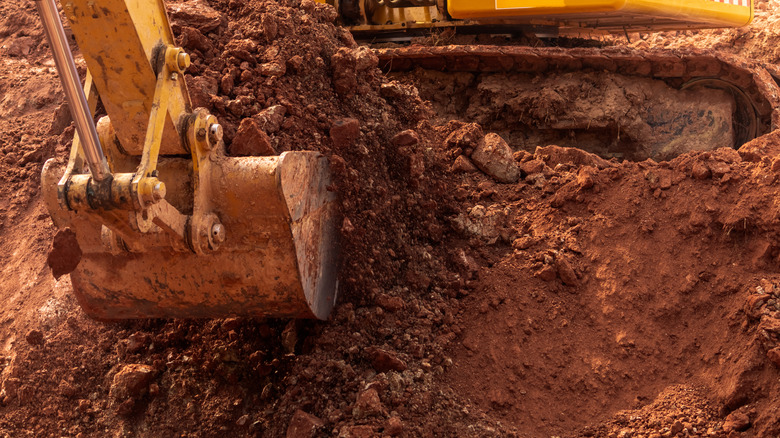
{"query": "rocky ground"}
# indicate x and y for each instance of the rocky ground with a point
(487, 289)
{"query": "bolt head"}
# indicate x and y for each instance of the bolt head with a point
(183, 60)
(217, 233)
(159, 191)
(215, 132)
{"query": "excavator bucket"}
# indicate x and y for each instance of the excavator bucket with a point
(278, 257)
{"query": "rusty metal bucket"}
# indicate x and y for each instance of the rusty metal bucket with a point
(279, 257)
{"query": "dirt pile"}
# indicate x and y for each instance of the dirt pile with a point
(621, 280)
(27, 94)
(284, 76)
(580, 297)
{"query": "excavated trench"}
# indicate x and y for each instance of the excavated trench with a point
(609, 114)
(615, 102)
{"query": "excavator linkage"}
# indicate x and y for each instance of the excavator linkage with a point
(167, 224)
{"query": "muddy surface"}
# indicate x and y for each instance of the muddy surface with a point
(489, 288)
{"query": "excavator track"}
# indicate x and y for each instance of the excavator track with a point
(754, 89)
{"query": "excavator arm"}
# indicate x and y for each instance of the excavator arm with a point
(168, 224)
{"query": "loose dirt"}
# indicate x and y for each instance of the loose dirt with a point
(586, 297)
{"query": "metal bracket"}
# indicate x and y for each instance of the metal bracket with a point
(145, 185)
(204, 136)
(142, 194)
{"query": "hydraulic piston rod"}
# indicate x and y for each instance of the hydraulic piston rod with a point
(77, 101)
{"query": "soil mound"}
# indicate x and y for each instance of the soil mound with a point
(579, 297)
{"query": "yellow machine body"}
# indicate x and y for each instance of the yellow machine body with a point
(369, 19)
(609, 14)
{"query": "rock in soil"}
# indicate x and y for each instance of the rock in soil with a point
(344, 132)
(736, 421)
(270, 119)
(34, 337)
(466, 137)
(304, 425)
(394, 426)
(131, 381)
(65, 253)
(250, 140)
(494, 157)
(405, 138)
(553, 155)
(531, 167)
(463, 164)
(566, 272)
(368, 404)
(384, 361)
(196, 14)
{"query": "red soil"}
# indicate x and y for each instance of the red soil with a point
(590, 298)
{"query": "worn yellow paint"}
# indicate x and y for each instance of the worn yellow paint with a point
(118, 39)
(163, 93)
